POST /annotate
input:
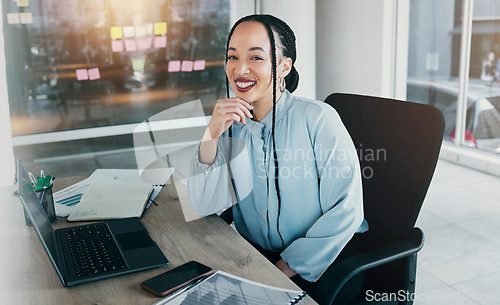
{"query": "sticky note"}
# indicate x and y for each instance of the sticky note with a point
(160, 42)
(174, 66)
(160, 28)
(199, 65)
(81, 74)
(116, 32)
(187, 66)
(140, 31)
(26, 18)
(128, 31)
(130, 45)
(144, 43)
(94, 74)
(149, 28)
(13, 18)
(138, 64)
(117, 46)
(23, 3)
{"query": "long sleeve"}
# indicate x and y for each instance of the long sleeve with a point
(340, 196)
(207, 185)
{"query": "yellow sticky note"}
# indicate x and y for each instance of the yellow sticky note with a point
(13, 18)
(128, 31)
(138, 64)
(149, 28)
(160, 28)
(26, 18)
(23, 3)
(116, 32)
(140, 31)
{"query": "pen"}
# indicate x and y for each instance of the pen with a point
(39, 183)
(33, 179)
(47, 182)
(42, 197)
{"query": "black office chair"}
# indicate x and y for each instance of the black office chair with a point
(398, 145)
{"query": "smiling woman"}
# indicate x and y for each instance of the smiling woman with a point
(292, 209)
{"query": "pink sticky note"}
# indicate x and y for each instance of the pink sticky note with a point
(94, 74)
(174, 66)
(187, 66)
(81, 74)
(199, 65)
(160, 42)
(117, 46)
(144, 44)
(130, 45)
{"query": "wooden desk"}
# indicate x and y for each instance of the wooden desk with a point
(28, 277)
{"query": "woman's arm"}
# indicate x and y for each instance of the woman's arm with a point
(209, 183)
(226, 111)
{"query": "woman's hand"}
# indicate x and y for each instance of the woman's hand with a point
(285, 268)
(226, 112)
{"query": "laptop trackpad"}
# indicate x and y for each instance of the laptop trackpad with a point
(134, 240)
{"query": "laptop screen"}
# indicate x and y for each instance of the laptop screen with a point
(38, 217)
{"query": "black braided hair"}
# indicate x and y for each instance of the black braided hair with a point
(274, 26)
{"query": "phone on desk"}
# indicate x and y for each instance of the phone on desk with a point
(174, 279)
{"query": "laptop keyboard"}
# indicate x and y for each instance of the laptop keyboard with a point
(93, 250)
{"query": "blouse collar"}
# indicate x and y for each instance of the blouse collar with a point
(266, 124)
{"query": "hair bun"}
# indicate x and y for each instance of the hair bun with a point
(292, 80)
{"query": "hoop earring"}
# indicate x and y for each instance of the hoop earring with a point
(282, 84)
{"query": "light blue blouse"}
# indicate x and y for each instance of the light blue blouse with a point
(319, 181)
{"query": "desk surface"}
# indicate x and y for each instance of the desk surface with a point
(28, 277)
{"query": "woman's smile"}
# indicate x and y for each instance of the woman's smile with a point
(244, 85)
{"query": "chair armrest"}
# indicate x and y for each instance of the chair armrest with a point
(338, 274)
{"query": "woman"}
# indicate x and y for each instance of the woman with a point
(295, 170)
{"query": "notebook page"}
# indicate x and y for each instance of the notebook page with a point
(112, 200)
(116, 191)
(94, 210)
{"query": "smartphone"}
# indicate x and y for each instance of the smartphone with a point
(174, 279)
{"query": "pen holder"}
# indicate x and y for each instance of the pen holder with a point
(47, 201)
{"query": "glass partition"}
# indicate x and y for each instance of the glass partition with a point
(432, 57)
(80, 64)
(483, 107)
(99, 66)
(434, 63)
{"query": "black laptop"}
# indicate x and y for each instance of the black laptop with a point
(92, 252)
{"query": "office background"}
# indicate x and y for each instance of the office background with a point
(424, 51)
(382, 48)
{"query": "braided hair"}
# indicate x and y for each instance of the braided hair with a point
(286, 43)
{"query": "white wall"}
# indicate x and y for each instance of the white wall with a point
(300, 15)
(6, 153)
(355, 47)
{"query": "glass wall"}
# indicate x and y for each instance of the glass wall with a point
(84, 65)
(434, 63)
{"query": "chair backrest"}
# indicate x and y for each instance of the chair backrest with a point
(398, 146)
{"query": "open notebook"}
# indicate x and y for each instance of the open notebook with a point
(112, 201)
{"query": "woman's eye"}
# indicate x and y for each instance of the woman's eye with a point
(231, 57)
(257, 58)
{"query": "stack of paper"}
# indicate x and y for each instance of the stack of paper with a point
(67, 199)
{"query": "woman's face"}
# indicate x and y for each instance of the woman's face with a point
(249, 64)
